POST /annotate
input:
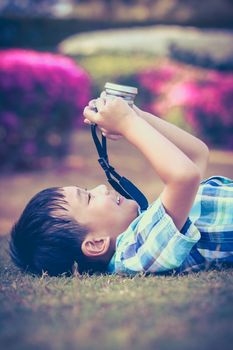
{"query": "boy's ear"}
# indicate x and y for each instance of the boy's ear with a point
(95, 246)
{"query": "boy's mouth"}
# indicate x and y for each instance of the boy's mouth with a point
(118, 199)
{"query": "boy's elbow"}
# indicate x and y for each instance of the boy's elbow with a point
(205, 152)
(203, 159)
(189, 175)
(195, 175)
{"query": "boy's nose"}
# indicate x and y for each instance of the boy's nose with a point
(102, 189)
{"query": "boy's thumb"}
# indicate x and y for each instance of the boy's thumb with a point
(86, 121)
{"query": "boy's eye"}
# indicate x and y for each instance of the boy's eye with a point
(89, 196)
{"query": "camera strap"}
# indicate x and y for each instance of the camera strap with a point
(121, 184)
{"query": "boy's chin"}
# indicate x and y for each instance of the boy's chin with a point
(134, 206)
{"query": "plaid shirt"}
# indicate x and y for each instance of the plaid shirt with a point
(153, 244)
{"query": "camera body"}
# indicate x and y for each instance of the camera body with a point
(128, 93)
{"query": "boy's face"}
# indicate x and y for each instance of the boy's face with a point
(100, 210)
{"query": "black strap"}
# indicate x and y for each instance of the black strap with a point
(122, 185)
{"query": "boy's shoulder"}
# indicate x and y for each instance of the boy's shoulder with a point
(141, 225)
(146, 239)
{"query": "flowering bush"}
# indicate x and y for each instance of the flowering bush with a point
(42, 96)
(203, 97)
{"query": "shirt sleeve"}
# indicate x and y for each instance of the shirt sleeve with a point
(157, 245)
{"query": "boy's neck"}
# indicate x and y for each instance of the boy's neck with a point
(106, 257)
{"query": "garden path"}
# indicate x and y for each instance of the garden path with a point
(216, 43)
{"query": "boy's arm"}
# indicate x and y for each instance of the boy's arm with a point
(179, 174)
(193, 147)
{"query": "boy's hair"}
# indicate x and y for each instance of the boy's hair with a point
(41, 241)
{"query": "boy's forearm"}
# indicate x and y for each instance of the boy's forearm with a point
(169, 162)
(194, 148)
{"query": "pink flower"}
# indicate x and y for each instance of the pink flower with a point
(182, 94)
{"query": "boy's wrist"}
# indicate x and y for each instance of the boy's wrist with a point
(130, 119)
(138, 111)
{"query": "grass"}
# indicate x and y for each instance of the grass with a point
(113, 312)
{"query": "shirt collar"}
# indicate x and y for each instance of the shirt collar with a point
(111, 265)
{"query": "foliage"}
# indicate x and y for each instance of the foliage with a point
(200, 59)
(42, 96)
(203, 97)
(159, 11)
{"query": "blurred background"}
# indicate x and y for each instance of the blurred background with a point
(56, 55)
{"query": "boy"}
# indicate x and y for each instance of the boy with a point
(187, 227)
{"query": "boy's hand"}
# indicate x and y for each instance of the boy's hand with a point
(113, 117)
(115, 137)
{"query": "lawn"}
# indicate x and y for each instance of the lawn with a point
(112, 312)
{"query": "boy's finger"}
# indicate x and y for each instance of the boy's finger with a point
(114, 137)
(90, 114)
(103, 95)
(103, 130)
(91, 103)
(86, 121)
(100, 103)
